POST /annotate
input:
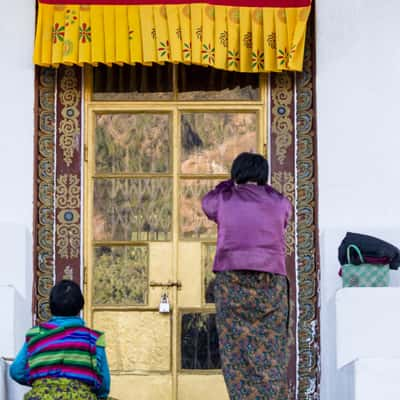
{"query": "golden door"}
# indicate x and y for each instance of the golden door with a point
(155, 144)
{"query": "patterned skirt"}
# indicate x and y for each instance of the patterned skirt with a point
(59, 389)
(252, 324)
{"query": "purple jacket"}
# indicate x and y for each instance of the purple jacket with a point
(251, 227)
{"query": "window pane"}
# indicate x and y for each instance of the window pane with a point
(132, 209)
(208, 274)
(132, 143)
(199, 342)
(193, 223)
(211, 141)
(208, 84)
(135, 82)
(120, 275)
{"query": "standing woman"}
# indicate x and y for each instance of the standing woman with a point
(251, 288)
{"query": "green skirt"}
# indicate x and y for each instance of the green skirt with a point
(59, 389)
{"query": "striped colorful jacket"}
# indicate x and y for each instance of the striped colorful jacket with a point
(63, 352)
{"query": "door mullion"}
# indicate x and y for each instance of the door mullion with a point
(175, 237)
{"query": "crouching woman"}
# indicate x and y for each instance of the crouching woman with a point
(62, 359)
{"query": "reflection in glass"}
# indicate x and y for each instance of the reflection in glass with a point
(132, 209)
(209, 276)
(194, 83)
(211, 141)
(207, 84)
(199, 342)
(193, 223)
(132, 82)
(132, 143)
(120, 275)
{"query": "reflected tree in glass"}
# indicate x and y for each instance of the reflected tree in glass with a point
(193, 222)
(199, 342)
(132, 143)
(120, 275)
(196, 83)
(209, 276)
(132, 209)
(211, 141)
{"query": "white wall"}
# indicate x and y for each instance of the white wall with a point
(358, 85)
(16, 111)
(16, 163)
(16, 166)
(358, 82)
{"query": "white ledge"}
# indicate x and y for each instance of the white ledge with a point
(367, 324)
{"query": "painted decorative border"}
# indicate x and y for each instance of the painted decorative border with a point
(58, 189)
(68, 175)
(293, 173)
(283, 179)
(307, 229)
(44, 189)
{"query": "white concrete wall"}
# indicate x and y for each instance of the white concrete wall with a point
(358, 83)
(16, 171)
(16, 140)
(16, 111)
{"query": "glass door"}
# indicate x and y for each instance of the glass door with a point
(157, 139)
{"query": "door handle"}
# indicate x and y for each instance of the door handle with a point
(178, 284)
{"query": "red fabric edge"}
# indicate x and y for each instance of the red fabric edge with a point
(233, 3)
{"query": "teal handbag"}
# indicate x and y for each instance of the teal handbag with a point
(364, 275)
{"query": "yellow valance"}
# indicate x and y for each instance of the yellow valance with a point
(244, 39)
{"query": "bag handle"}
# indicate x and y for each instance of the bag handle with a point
(353, 246)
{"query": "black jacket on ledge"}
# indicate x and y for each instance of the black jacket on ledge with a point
(371, 249)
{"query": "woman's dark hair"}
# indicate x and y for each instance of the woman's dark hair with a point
(249, 167)
(66, 299)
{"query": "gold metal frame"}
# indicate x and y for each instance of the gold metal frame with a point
(174, 107)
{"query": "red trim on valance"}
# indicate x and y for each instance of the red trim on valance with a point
(233, 3)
